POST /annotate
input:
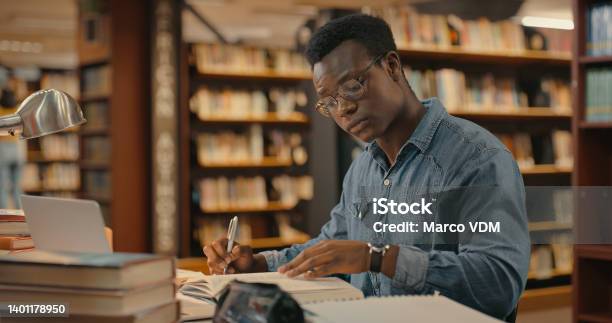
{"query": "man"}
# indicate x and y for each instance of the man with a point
(413, 147)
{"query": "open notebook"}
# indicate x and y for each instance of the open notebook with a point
(303, 290)
(395, 309)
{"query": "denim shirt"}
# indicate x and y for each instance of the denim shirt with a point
(487, 272)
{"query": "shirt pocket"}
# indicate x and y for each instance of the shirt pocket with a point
(360, 216)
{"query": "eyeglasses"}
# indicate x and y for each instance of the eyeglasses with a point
(351, 90)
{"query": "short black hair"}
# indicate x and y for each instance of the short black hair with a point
(372, 32)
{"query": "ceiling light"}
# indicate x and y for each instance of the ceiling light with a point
(543, 22)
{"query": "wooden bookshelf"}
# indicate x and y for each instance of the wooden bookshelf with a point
(592, 275)
(265, 162)
(259, 218)
(595, 59)
(594, 125)
(277, 242)
(457, 54)
(549, 226)
(271, 207)
(545, 169)
(249, 76)
(514, 114)
(119, 43)
(270, 117)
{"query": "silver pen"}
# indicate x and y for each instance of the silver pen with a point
(231, 236)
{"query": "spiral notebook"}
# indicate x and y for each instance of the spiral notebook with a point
(395, 309)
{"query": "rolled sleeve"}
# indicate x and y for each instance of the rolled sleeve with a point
(411, 269)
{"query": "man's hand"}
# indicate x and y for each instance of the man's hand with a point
(330, 257)
(239, 260)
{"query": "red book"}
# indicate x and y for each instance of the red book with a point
(15, 242)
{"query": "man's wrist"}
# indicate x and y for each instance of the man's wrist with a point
(389, 261)
(259, 264)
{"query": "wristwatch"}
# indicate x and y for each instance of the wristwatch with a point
(376, 256)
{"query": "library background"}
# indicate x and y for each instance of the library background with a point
(199, 110)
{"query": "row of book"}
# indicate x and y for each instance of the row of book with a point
(14, 232)
(241, 59)
(414, 30)
(96, 81)
(212, 228)
(540, 149)
(551, 260)
(229, 103)
(96, 149)
(67, 82)
(60, 147)
(252, 146)
(97, 183)
(96, 114)
(599, 29)
(88, 287)
(481, 92)
(54, 176)
(598, 95)
(223, 193)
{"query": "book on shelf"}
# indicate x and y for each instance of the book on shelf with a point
(540, 149)
(223, 193)
(60, 147)
(598, 96)
(242, 59)
(599, 29)
(15, 242)
(413, 30)
(96, 81)
(303, 290)
(250, 147)
(96, 149)
(209, 103)
(96, 114)
(462, 92)
(66, 81)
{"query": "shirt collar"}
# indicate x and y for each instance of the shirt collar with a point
(425, 130)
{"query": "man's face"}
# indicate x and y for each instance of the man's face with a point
(369, 117)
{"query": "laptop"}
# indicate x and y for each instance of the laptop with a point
(58, 224)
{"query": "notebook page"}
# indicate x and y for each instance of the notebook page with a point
(397, 309)
(290, 285)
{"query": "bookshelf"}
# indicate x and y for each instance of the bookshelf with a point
(51, 167)
(244, 138)
(592, 262)
(114, 79)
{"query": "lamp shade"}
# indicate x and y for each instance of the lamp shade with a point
(42, 113)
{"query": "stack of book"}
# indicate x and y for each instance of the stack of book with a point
(599, 29)
(117, 287)
(14, 232)
(598, 95)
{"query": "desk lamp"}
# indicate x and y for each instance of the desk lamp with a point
(43, 113)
